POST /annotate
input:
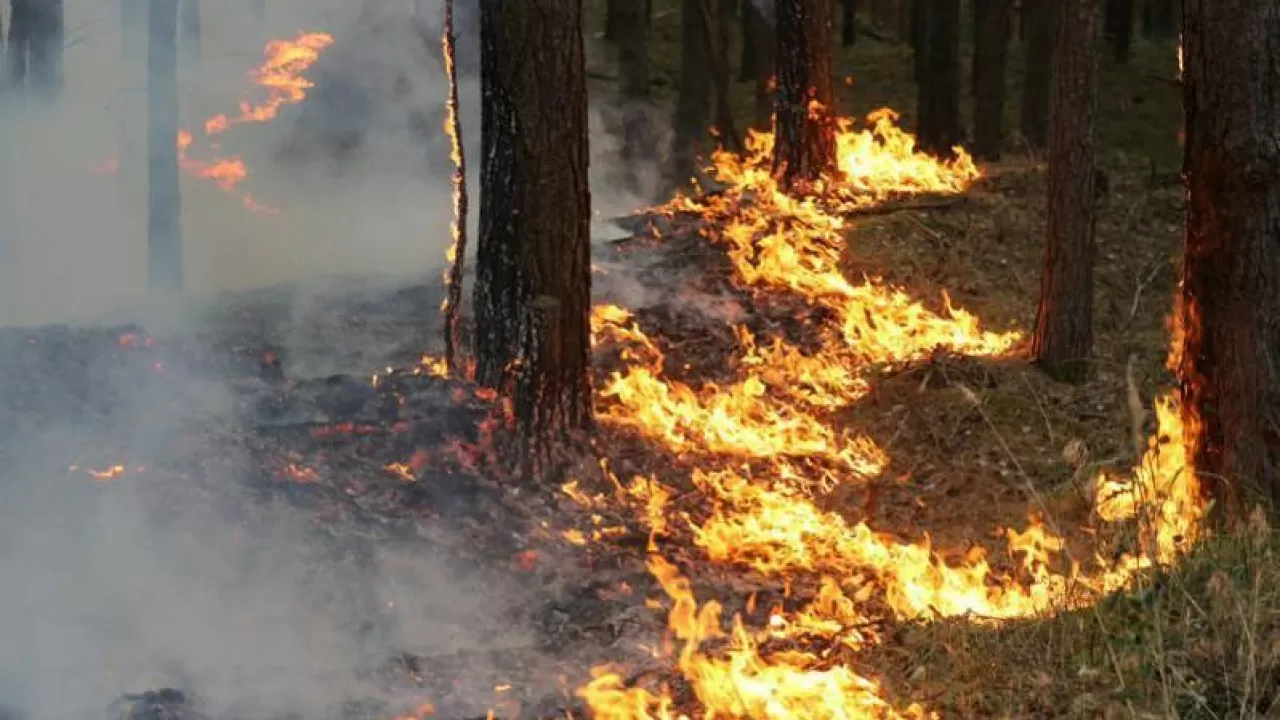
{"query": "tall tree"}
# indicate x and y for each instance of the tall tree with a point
(991, 26)
(1119, 28)
(164, 200)
(763, 39)
(848, 22)
(693, 102)
(937, 35)
(189, 20)
(1037, 41)
(639, 144)
(804, 141)
(1064, 321)
(533, 266)
(1228, 361)
(36, 38)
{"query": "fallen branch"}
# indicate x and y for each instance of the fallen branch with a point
(923, 202)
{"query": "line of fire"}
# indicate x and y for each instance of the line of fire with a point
(751, 359)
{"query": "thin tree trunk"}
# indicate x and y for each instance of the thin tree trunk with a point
(764, 38)
(639, 144)
(47, 38)
(848, 23)
(938, 67)
(990, 62)
(457, 151)
(1064, 321)
(693, 103)
(804, 146)
(747, 59)
(718, 19)
(19, 45)
(1228, 362)
(1119, 29)
(164, 204)
(189, 19)
(1038, 24)
(533, 282)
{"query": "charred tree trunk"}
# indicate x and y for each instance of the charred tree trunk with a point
(164, 203)
(938, 70)
(1064, 320)
(1228, 363)
(718, 18)
(46, 38)
(533, 269)
(848, 22)
(1120, 28)
(19, 44)
(693, 104)
(189, 18)
(764, 39)
(1038, 22)
(991, 21)
(1159, 20)
(639, 144)
(747, 58)
(805, 144)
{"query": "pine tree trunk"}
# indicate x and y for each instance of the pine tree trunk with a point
(990, 62)
(848, 22)
(721, 12)
(805, 147)
(938, 68)
(164, 204)
(639, 144)
(693, 103)
(764, 38)
(747, 59)
(1064, 320)
(1120, 29)
(1229, 364)
(533, 269)
(1038, 22)
(189, 20)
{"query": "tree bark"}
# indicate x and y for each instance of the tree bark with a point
(1119, 29)
(1038, 22)
(19, 41)
(1228, 362)
(848, 22)
(164, 204)
(189, 20)
(533, 273)
(938, 128)
(764, 39)
(805, 144)
(639, 144)
(1064, 321)
(991, 23)
(693, 103)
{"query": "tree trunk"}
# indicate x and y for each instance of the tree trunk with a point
(1064, 320)
(639, 144)
(1159, 20)
(805, 144)
(693, 103)
(1037, 40)
(164, 204)
(991, 23)
(189, 15)
(747, 60)
(614, 12)
(764, 39)
(1120, 28)
(533, 269)
(848, 22)
(720, 14)
(938, 128)
(20, 21)
(46, 39)
(1229, 312)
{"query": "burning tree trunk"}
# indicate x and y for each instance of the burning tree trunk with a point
(990, 61)
(848, 22)
(1037, 40)
(164, 204)
(1120, 28)
(533, 274)
(189, 14)
(457, 152)
(805, 139)
(938, 70)
(693, 104)
(639, 145)
(1228, 360)
(1064, 321)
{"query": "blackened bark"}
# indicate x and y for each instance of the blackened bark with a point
(1159, 20)
(1064, 320)
(848, 22)
(1038, 24)
(991, 20)
(884, 14)
(639, 142)
(1229, 360)
(533, 274)
(164, 204)
(189, 20)
(693, 103)
(19, 43)
(764, 39)
(1119, 28)
(47, 38)
(457, 150)
(804, 144)
(938, 127)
